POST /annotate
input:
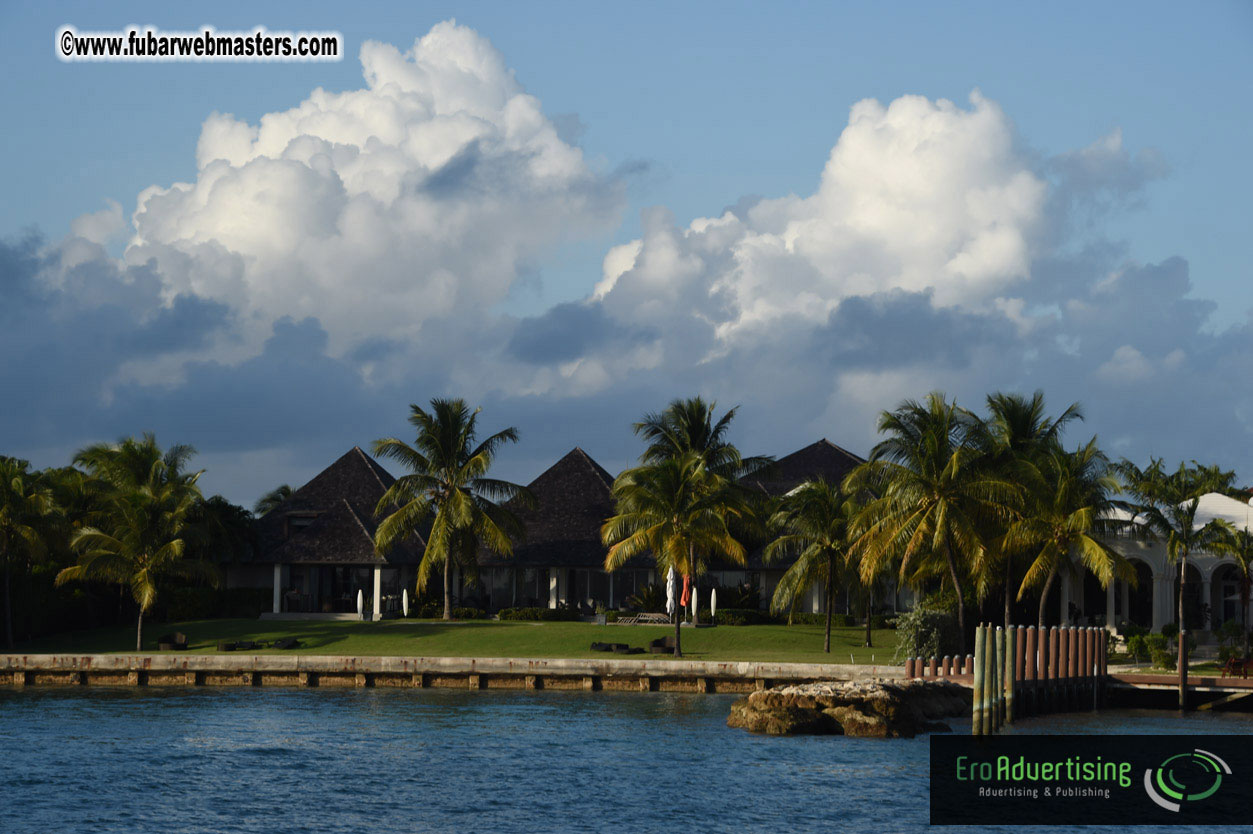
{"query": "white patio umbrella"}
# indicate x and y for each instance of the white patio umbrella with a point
(671, 581)
(360, 603)
(404, 602)
(713, 603)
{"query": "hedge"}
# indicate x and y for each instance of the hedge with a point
(537, 614)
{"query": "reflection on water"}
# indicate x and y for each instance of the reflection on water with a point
(430, 760)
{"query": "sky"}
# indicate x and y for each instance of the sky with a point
(571, 216)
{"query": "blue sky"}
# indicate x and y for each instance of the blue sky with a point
(693, 108)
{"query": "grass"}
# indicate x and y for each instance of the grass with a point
(485, 638)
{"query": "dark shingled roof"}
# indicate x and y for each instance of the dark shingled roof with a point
(340, 500)
(822, 460)
(573, 499)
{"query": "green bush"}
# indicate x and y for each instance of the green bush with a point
(1129, 630)
(463, 613)
(926, 633)
(1160, 651)
(740, 616)
(1170, 631)
(882, 621)
(649, 599)
(536, 614)
(1138, 648)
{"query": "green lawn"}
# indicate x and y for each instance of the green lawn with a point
(483, 638)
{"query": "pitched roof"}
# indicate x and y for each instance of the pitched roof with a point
(573, 499)
(340, 500)
(822, 460)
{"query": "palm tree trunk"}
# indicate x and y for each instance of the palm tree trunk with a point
(826, 643)
(678, 624)
(1183, 636)
(8, 604)
(961, 602)
(447, 588)
(139, 631)
(1009, 614)
(1044, 596)
(1244, 613)
(869, 606)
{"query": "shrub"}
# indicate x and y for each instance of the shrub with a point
(746, 595)
(174, 604)
(463, 613)
(1160, 651)
(740, 616)
(1170, 631)
(649, 599)
(926, 633)
(1138, 648)
(540, 614)
(1129, 630)
(882, 621)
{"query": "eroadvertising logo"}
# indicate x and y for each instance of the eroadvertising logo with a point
(1091, 780)
(1192, 776)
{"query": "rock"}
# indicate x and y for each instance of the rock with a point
(877, 708)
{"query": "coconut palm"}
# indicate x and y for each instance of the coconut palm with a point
(689, 426)
(271, 499)
(1238, 544)
(936, 497)
(142, 536)
(25, 508)
(1015, 437)
(813, 521)
(447, 490)
(1166, 509)
(1069, 509)
(678, 512)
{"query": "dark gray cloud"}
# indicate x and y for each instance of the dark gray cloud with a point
(567, 331)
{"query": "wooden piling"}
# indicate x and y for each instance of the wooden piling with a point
(998, 679)
(977, 719)
(1032, 671)
(1008, 673)
(932, 665)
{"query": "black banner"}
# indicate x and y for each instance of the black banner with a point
(1091, 780)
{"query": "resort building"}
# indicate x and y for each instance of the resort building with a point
(1212, 588)
(316, 549)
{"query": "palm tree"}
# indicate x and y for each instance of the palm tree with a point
(271, 499)
(689, 426)
(1069, 509)
(145, 520)
(447, 490)
(813, 522)
(935, 497)
(25, 507)
(1166, 507)
(677, 511)
(1015, 438)
(1238, 544)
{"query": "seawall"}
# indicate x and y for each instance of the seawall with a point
(651, 675)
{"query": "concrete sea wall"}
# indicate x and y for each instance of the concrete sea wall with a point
(652, 675)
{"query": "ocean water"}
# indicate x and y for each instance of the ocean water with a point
(380, 760)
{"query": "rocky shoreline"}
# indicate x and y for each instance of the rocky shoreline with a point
(875, 709)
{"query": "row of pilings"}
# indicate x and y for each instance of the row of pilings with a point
(1024, 670)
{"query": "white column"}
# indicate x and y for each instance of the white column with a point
(1161, 607)
(552, 588)
(1126, 601)
(378, 593)
(815, 599)
(278, 588)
